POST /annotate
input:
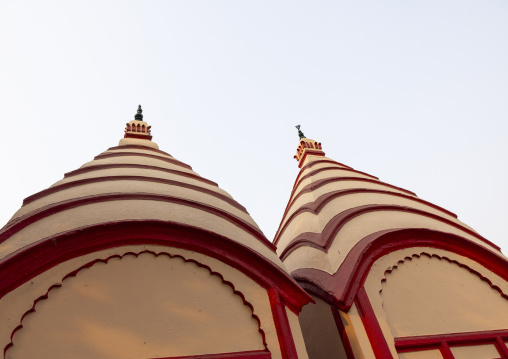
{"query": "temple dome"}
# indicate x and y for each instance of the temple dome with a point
(134, 181)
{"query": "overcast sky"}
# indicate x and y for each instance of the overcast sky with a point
(415, 93)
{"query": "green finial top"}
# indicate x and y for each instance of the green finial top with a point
(300, 133)
(139, 115)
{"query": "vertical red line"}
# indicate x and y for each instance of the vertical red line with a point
(501, 347)
(445, 351)
(369, 320)
(342, 333)
(286, 342)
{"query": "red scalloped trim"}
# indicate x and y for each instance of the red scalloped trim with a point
(461, 265)
(106, 260)
(341, 287)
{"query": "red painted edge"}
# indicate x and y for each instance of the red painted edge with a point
(317, 161)
(315, 185)
(325, 239)
(331, 168)
(316, 206)
(426, 341)
(85, 181)
(309, 151)
(132, 165)
(147, 155)
(287, 344)
(445, 351)
(21, 222)
(342, 332)
(117, 256)
(138, 147)
(369, 320)
(501, 345)
(143, 136)
(344, 284)
(257, 354)
(34, 259)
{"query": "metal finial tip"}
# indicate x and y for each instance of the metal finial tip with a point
(139, 114)
(300, 133)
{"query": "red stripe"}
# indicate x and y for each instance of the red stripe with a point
(333, 227)
(315, 185)
(258, 354)
(330, 168)
(19, 223)
(445, 351)
(311, 164)
(147, 155)
(132, 165)
(28, 262)
(316, 206)
(342, 332)
(425, 341)
(85, 181)
(343, 285)
(287, 345)
(139, 147)
(376, 337)
(136, 254)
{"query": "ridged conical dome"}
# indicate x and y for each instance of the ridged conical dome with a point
(333, 209)
(134, 181)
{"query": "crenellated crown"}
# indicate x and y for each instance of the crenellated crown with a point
(138, 128)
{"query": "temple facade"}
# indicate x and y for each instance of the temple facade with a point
(134, 255)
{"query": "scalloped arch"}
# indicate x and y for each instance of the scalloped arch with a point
(430, 255)
(136, 254)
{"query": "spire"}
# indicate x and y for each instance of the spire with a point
(307, 147)
(138, 128)
(300, 133)
(139, 115)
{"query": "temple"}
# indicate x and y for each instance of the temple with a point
(136, 256)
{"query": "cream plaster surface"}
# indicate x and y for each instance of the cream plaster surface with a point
(487, 351)
(426, 296)
(471, 293)
(17, 302)
(334, 172)
(138, 161)
(307, 257)
(356, 333)
(309, 197)
(141, 172)
(135, 187)
(138, 307)
(137, 150)
(122, 210)
(372, 222)
(296, 332)
(338, 205)
(423, 354)
(320, 332)
(138, 142)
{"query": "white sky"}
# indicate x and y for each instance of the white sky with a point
(412, 92)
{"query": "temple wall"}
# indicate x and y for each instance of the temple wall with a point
(162, 298)
(426, 291)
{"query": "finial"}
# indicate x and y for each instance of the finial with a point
(139, 115)
(300, 133)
